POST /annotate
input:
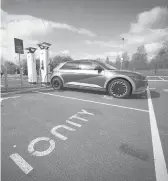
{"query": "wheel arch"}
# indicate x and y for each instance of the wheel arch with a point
(132, 84)
(58, 77)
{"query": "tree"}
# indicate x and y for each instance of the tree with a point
(153, 64)
(60, 59)
(163, 55)
(107, 60)
(2, 70)
(125, 60)
(165, 46)
(139, 59)
(161, 58)
(18, 69)
(24, 66)
(118, 62)
(11, 67)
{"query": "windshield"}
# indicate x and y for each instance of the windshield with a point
(107, 66)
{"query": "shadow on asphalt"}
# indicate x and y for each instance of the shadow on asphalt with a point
(85, 91)
(154, 94)
(134, 152)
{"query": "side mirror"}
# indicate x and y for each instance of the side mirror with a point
(99, 69)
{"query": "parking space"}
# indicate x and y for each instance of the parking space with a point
(153, 78)
(157, 78)
(81, 135)
(165, 78)
(159, 86)
(97, 97)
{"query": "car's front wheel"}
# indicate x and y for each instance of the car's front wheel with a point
(119, 88)
(56, 83)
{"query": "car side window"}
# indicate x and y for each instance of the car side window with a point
(89, 66)
(70, 66)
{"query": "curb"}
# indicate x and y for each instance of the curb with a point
(23, 91)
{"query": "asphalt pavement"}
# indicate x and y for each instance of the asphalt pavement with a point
(73, 135)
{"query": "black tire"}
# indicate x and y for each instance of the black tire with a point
(119, 88)
(56, 83)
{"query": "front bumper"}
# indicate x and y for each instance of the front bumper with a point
(140, 91)
(141, 87)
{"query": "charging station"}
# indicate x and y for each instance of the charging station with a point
(31, 66)
(44, 61)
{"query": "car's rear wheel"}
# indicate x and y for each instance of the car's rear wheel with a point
(56, 83)
(119, 88)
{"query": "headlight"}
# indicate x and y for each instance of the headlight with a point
(139, 77)
(143, 77)
(136, 78)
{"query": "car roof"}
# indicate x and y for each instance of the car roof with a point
(84, 60)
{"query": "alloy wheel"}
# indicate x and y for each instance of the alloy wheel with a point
(118, 89)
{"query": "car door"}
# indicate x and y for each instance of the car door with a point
(69, 72)
(91, 75)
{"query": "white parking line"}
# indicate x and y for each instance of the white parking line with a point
(152, 88)
(95, 102)
(161, 78)
(158, 80)
(159, 160)
(22, 164)
(1, 99)
(166, 90)
(157, 76)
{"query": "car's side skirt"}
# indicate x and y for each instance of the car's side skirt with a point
(84, 87)
(83, 84)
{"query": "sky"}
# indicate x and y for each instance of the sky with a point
(84, 28)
